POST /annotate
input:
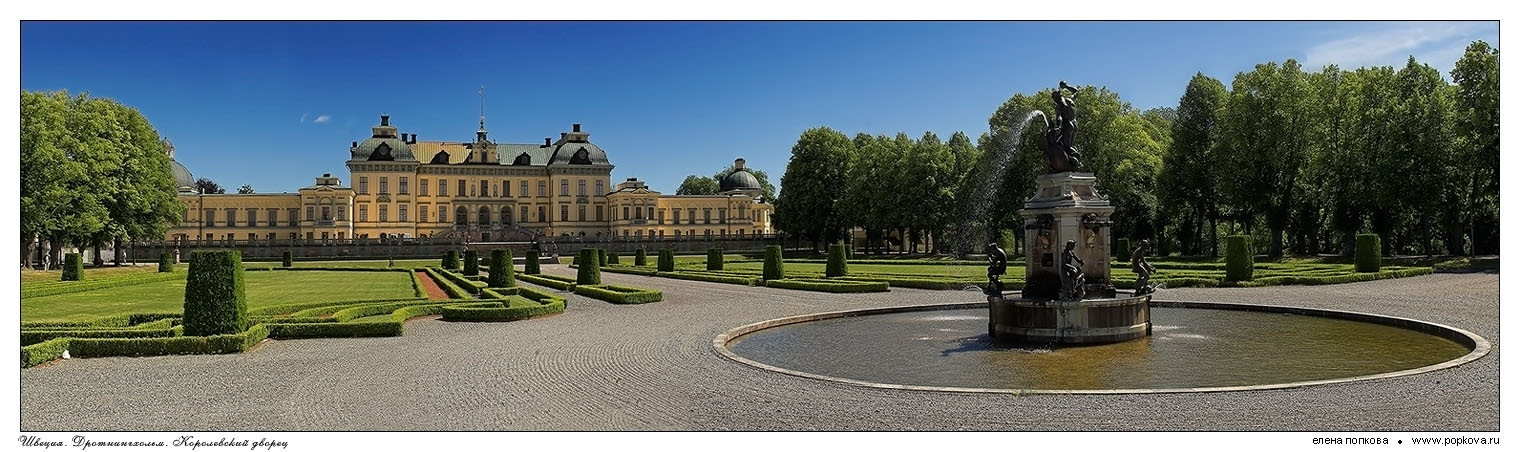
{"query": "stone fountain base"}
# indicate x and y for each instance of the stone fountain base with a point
(1090, 321)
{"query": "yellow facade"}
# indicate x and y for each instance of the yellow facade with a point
(479, 190)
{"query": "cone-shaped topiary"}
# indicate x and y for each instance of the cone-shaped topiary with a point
(837, 265)
(451, 260)
(715, 258)
(1123, 251)
(588, 272)
(667, 261)
(286, 260)
(530, 262)
(1369, 253)
(773, 268)
(500, 273)
(601, 257)
(1237, 258)
(73, 267)
(471, 263)
(165, 263)
(640, 258)
(612, 258)
(214, 298)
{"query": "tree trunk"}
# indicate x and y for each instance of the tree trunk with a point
(1276, 250)
(116, 252)
(1214, 235)
(55, 248)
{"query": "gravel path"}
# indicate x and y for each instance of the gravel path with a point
(600, 366)
(431, 287)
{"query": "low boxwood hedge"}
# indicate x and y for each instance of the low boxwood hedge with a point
(57, 288)
(828, 285)
(448, 286)
(921, 283)
(630, 270)
(29, 337)
(42, 352)
(710, 277)
(179, 345)
(509, 309)
(620, 294)
(351, 329)
(547, 281)
(112, 321)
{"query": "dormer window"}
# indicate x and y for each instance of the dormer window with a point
(581, 157)
(382, 152)
(441, 158)
(523, 159)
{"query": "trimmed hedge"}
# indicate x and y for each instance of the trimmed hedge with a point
(352, 329)
(113, 321)
(715, 259)
(530, 263)
(838, 265)
(500, 274)
(180, 345)
(640, 257)
(620, 294)
(1238, 258)
(544, 280)
(165, 263)
(1124, 250)
(773, 268)
(471, 263)
(925, 283)
(667, 261)
(612, 258)
(828, 285)
(59, 287)
(1369, 253)
(29, 337)
(587, 272)
(630, 270)
(709, 277)
(215, 302)
(73, 267)
(286, 260)
(451, 260)
(601, 257)
(42, 352)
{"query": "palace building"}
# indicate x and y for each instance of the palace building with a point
(477, 190)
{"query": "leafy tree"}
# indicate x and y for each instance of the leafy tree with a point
(1186, 185)
(245, 189)
(1268, 113)
(697, 185)
(206, 186)
(55, 207)
(1476, 153)
(1424, 115)
(866, 199)
(767, 189)
(807, 206)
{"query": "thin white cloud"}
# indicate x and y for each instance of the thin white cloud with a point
(322, 119)
(1390, 46)
(303, 117)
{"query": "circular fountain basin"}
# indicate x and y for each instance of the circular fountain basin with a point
(1193, 347)
(1092, 321)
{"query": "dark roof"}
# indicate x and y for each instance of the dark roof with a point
(507, 153)
(399, 150)
(569, 153)
(182, 177)
(740, 179)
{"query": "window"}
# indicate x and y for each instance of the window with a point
(422, 186)
(691, 218)
(270, 237)
(443, 213)
(422, 213)
(661, 220)
(290, 215)
(675, 216)
(308, 236)
(274, 219)
(564, 212)
(506, 215)
(564, 187)
(485, 187)
(639, 234)
(385, 186)
(723, 215)
(253, 217)
(342, 213)
(599, 190)
(403, 186)
(401, 213)
(461, 187)
(522, 189)
(209, 218)
(506, 189)
(638, 213)
(582, 187)
(707, 216)
(363, 213)
(522, 214)
(599, 214)
(324, 236)
(543, 189)
(363, 185)
(443, 190)
(541, 217)
(252, 237)
(625, 213)
(583, 212)
(385, 213)
(651, 213)
(311, 213)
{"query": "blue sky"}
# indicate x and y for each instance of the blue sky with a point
(274, 104)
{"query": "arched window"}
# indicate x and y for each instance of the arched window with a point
(461, 216)
(581, 157)
(382, 152)
(523, 159)
(506, 216)
(485, 215)
(441, 158)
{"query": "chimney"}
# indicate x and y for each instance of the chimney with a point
(354, 144)
(413, 139)
(385, 120)
(546, 142)
(739, 163)
(575, 127)
(562, 135)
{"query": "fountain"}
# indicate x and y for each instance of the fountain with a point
(1068, 297)
(1070, 331)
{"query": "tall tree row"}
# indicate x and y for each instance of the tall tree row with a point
(93, 172)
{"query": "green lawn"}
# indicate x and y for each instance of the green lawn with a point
(33, 276)
(263, 288)
(381, 263)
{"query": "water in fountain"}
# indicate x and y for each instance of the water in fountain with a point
(998, 159)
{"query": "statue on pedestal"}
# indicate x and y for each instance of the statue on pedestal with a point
(1061, 154)
(1073, 281)
(997, 265)
(1143, 269)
